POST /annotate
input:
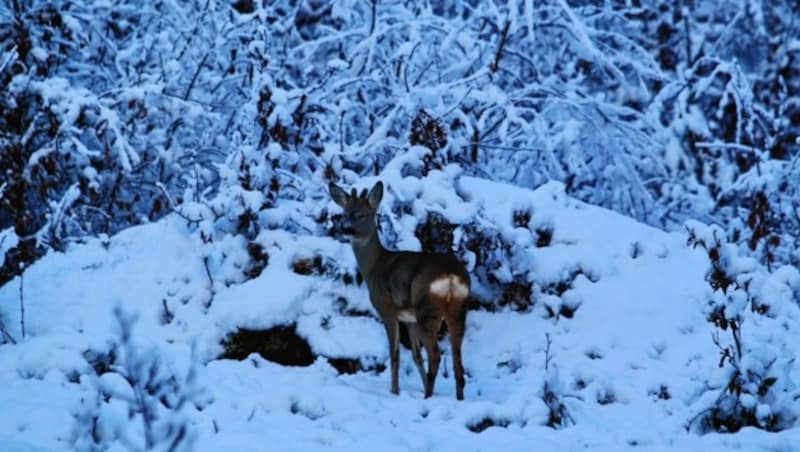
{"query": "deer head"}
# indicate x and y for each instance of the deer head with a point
(358, 220)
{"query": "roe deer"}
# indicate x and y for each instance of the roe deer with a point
(417, 288)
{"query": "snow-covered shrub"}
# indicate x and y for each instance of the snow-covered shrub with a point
(771, 230)
(135, 401)
(100, 107)
(599, 97)
(749, 307)
(658, 110)
(59, 140)
(727, 112)
(260, 186)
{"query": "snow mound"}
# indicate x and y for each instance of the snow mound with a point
(630, 358)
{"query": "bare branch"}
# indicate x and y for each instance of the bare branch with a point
(498, 54)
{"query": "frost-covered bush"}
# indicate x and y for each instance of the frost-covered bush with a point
(657, 110)
(749, 308)
(94, 118)
(603, 98)
(261, 186)
(135, 401)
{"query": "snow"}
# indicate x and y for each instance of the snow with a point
(632, 365)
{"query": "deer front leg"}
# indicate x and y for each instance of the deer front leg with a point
(388, 314)
(393, 335)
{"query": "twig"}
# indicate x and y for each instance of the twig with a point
(194, 77)
(731, 146)
(210, 282)
(505, 148)
(498, 54)
(179, 438)
(12, 55)
(172, 205)
(694, 418)
(113, 196)
(686, 34)
(474, 145)
(168, 316)
(451, 109)
(547, 356)
(559, 415)
(374, 16)
(5, 334)
(341, 133)
(22, 303)
(422, 73)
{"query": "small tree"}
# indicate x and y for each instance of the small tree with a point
(135, 400)
(552, 392)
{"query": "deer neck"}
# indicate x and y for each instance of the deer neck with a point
(368, 252)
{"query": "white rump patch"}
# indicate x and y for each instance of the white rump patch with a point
(406, 316)
(449, 285)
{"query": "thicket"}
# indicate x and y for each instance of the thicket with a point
(114, 114)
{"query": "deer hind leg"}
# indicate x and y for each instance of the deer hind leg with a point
(429, 318)
(434, 356)
(455, 327)
(414, 337)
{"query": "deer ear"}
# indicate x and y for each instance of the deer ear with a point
(375, 195)
(338, 195)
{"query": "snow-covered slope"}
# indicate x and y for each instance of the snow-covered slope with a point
(629, 358)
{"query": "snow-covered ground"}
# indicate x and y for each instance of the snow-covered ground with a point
(631, 364)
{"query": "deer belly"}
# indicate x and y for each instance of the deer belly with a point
(406, 316)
